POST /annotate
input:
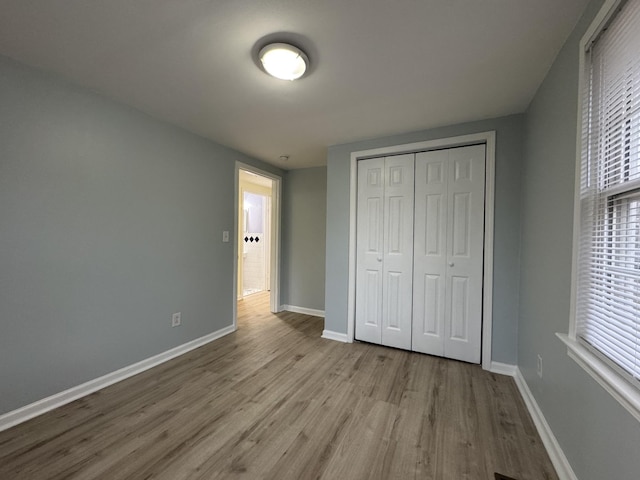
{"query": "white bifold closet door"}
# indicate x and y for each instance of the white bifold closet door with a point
(448, 252)
(384, 250)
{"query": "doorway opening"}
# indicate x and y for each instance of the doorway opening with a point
(254, 254)
(258, 237)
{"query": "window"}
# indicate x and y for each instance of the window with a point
(606, 325)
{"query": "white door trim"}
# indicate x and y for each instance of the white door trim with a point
(488, 138)
(276, 203)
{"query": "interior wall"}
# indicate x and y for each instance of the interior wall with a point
(304, 218)
(111, 221)
(506, 227)
(598, 436)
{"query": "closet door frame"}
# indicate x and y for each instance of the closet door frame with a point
(487, 138)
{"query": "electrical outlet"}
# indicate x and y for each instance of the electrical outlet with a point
(225, 236)
(539, 365)
(176, 319)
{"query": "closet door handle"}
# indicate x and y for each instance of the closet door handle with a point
(451, 264)
(379, 259)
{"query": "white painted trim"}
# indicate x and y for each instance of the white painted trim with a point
(599, 22)
(488, 138)
(557, 456)
(337, 336)
(303, 310)
(47, 404)
(276, 215)
(439, 143)
(626, 394)
(576, 207)
(489, 219)
(503, 369)
(276, 219)
(353, 205)
(234, 239)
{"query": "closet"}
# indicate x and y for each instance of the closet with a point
(419, 251)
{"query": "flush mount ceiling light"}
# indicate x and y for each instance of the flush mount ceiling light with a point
(284, 61)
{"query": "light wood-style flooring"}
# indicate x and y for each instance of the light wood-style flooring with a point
(275, 401)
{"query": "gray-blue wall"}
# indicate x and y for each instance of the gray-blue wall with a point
(303, 237)
(506, 228)
(600, 439)
(110, 221)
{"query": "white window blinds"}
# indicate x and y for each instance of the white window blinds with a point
(608, 302)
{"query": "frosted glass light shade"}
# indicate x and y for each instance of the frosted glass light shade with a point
(284, 61)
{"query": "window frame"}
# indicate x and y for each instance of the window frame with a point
(605, 372)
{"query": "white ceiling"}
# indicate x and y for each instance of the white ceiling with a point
(379, 67)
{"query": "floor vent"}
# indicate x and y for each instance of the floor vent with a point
(499, 476)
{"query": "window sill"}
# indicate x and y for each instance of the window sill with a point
(626, 394)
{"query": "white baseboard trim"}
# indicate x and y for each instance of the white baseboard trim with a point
(558, 458)
(305, 311)
(503, 369)
(337, 336)
(47, 404)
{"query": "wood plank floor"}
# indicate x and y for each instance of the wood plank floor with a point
(275, 401)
